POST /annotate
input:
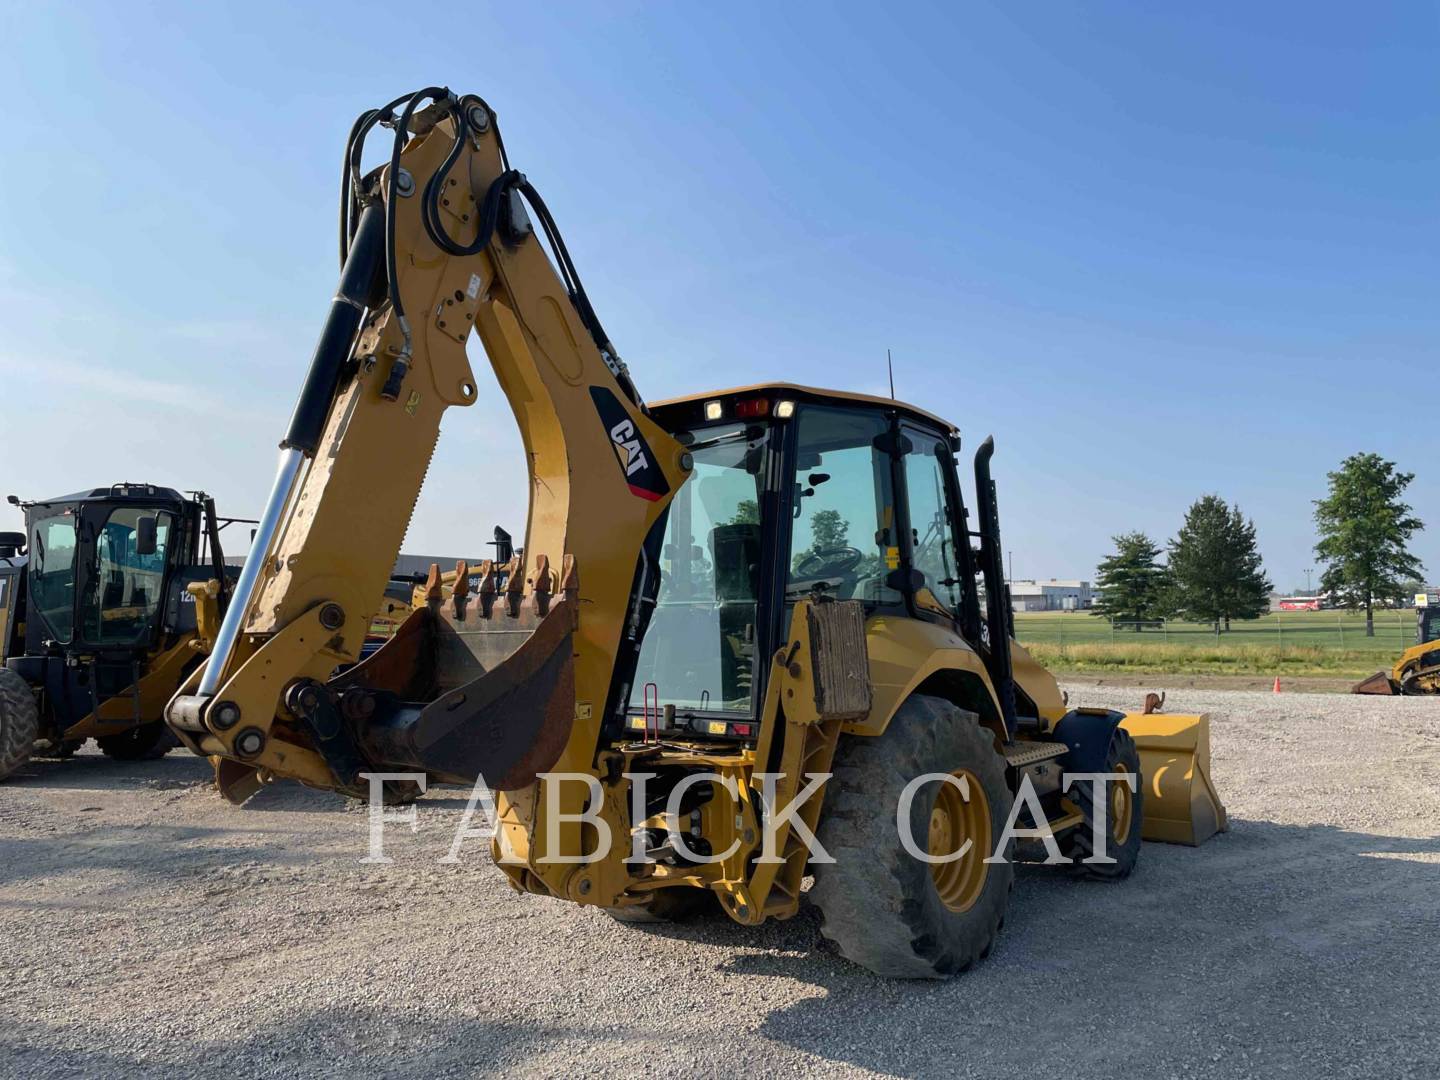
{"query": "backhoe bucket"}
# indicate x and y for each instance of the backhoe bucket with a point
(1181, 806)
(1380, 684)
(475, 688)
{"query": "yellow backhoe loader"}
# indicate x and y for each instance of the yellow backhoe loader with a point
(723, 599)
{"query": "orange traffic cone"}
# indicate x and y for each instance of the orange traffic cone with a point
(1277, 684)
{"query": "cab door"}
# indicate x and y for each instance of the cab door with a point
(934, 533)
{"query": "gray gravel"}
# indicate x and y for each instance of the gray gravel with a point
(146, 927)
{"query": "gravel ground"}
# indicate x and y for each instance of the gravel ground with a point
(147, 928)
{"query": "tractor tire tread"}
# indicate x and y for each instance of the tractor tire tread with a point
(1079, 844)
(878, 904)
(19, 722)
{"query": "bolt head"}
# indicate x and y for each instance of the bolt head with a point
(249, 742)
(225, 714)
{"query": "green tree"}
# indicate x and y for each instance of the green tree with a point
(747, 512)
(1215, 566)
(1364, 527)
(1133, 585)
(828, 531)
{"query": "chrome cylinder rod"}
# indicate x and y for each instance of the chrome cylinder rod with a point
(290, 462)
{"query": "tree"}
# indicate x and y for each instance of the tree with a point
(1132, 584)
(1215, 565)
(747, 512)
(828, 532)
(1364, 527)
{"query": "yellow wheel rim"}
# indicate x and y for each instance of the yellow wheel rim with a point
(1122, 801)
(953, 821)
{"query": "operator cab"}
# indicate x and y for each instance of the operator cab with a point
(105, 571)
(794, 492)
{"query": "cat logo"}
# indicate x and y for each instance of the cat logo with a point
(643, 476)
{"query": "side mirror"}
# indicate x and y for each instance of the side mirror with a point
(145, 538)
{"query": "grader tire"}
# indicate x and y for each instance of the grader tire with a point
(1124, 812)
(884, 908)
(19, 722)
(667, 906)
(147, 742)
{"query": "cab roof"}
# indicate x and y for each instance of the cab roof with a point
(138, 492)
(813, 395)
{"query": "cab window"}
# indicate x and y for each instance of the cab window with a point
(843, 538)
(124, 597)
(932, 537)
(699, 650)
(52, 573)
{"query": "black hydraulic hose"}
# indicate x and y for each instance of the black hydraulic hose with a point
(402, 128)
(350, 178)
(430, 199)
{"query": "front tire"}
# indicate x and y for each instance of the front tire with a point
(19, 722)
(1124, 814)
(147, 742)
(887, 910)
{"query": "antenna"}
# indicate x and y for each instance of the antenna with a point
(890, 368)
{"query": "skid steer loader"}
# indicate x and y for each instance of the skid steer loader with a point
(107, 601)
(723, 599)
(1417, 671)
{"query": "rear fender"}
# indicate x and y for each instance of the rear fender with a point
(909, 656)
(1087, 732)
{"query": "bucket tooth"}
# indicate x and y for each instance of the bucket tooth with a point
(460, 592)
(433, 591)
(487, 588)
(540, 585)
(514, 586)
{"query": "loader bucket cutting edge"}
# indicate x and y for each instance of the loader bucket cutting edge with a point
(1380, 684)
(1181, 804)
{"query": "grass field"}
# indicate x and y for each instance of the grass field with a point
(1295, 643)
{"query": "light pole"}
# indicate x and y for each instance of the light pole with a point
(1308, 572)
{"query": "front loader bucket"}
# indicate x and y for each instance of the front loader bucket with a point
(1181, 806)
(1380, 684)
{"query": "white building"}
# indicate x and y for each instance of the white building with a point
(1053, 595)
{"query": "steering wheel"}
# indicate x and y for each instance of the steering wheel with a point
(832, 562)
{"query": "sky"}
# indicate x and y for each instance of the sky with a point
(1157, 250)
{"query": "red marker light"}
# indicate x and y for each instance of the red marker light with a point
(752, 407)
(743, 730)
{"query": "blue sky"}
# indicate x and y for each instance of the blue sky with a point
(1156, 250)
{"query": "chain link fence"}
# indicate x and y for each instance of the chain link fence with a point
(1394, 630)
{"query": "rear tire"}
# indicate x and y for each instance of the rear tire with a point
(1124, 811)
(147, 742)
(19, 722)
(883, 907)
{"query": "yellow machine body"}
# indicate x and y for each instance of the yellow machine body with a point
(524, 656)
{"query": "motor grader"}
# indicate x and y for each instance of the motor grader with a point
(98, 620)
(723, 599)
